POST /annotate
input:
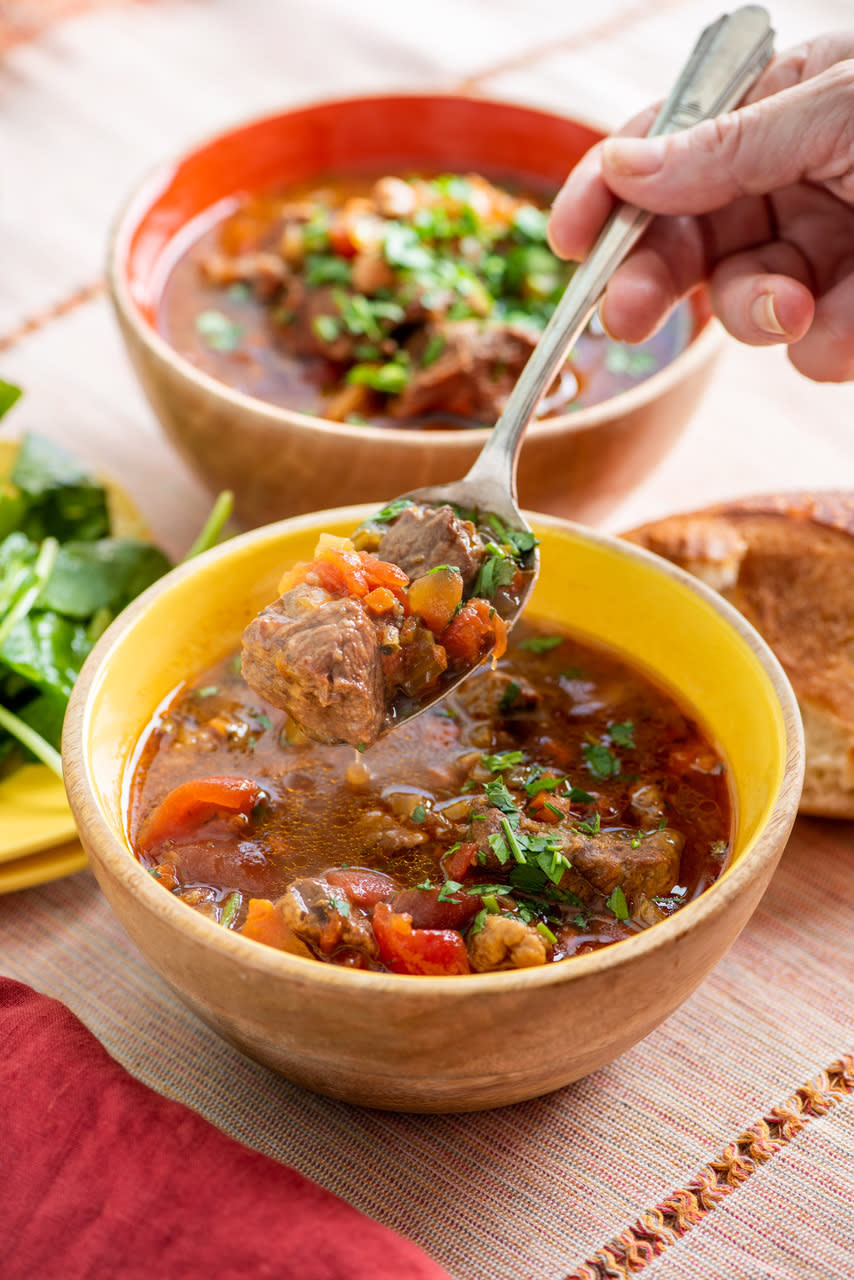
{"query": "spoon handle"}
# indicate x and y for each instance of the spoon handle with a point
(724, 63)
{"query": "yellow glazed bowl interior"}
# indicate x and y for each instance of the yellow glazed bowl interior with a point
(440, 1044)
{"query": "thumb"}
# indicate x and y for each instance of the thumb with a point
(806, 132)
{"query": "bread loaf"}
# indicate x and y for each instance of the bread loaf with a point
(786, 561)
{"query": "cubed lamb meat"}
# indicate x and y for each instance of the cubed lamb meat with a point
(608, 859)
(472, 376)
(320, 914)
(321, 664)
(422, 538)
(488, 694)
(505, 942)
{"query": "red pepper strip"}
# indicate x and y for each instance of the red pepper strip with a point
(184, 809)
(419, 951)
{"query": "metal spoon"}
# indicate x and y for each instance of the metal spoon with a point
(724, 63)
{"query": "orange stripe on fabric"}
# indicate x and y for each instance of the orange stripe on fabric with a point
(32, 324)
(633, 1249)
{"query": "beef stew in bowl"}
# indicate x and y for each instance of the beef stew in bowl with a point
(249, 414)
(417, 1042)
(549, 807)
(400, 301)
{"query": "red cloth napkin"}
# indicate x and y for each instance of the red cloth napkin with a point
(100, 1177)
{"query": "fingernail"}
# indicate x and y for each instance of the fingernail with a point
(634, 157)
(764, 316)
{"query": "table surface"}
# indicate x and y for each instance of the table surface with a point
(723, 1144)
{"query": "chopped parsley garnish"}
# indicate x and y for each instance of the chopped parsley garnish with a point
(547, 933)
(509, 696)
(536, 783)
(433, 350)
(390, 378)
(327, 328)
(622, 734)
(618, 905)
(264, 721)
(498, 845)
(601, 762)
(419, 813)
(578, 796)
(392, 511)
(208, 691)
(552, 808)
(521, 540)
(498, 795)
(497, 570)
(447, 891)
(503, 760)
(219, 333)
(341, 905)
(540, 644)
(590, 828)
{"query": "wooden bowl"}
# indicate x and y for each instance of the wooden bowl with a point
(280, 462)
(453, 1043)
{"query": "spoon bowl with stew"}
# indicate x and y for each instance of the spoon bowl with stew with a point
(347, 676)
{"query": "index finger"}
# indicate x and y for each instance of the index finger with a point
(584, 202)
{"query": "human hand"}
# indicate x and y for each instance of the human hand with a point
(759, 203)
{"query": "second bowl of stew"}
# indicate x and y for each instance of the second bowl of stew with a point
(496, 897)
(331, 305)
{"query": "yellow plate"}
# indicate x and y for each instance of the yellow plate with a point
(34, 813)
(38, 868)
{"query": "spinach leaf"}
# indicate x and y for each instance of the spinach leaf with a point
(61, 499)
(109, 573)
(48, 650)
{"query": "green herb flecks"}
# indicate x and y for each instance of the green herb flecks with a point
(503, 760)
(217, 331)
(601, 762)
(618, 905)
(540, 644)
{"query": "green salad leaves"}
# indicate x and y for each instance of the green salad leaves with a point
(64, 577)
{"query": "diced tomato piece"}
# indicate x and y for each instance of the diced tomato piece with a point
(458, 864)
(293, 577)
(349, 566)
(474, 632)
(265, 923)
(380, 600)
(427, 911)
(361, 887)
(417, 951)
(381, 573)
(330, 577)
(185, 809)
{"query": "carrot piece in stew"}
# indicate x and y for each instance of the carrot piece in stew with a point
(184, 809)
(265, 923)
(417, 951)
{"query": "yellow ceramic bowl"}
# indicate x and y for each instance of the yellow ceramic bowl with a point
(439, 1044)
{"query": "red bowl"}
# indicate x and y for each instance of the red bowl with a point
(281, 462)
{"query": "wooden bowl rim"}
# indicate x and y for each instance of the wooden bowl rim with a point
(701, 349)
(120, 863)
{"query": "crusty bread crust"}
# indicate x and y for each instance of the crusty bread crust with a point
(786, 561)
